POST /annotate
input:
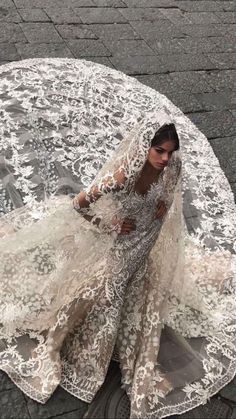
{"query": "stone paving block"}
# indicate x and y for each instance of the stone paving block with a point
(160, 28)
(87, 48)
(53, 3)
(150, 3)
(201, 18)
(227, 17)
(34, 15)
(75, 31)
(109, 401)
(222, 80)
(228, 5)
(7, 3)
(196, 45)
(115, 31)
(13, 405)
(231, 29)
(109, 3)
(8, 52)
(202, 31)
(233, 111)
(100, 15)
(43, 50)
(138, 65)
(40, 33)
(60, 403)
(223, 60)
(63, 15)
(163, 83)
(200, 6)
(176, 16)
(216, 101)
(233, 187)
(128, 47)
(231, 100)
(100, 60)
(5, 382)
(75, 414)
(215, 408)
(9, 15)
(140, 13)
(11, 32)
(229, 391)
(166, 45)
(185, 62)
(224, 44)
(215, 124)
(185, 101)
(225, 148)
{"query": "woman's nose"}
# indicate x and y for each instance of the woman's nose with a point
(165, 157)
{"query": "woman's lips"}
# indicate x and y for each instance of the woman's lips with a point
(162, 164)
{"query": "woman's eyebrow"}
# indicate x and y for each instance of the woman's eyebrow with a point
(163, 149)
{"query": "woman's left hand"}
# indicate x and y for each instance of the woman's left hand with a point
(160, 209)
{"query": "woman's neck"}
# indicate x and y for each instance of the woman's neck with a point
(150, 172)
(148, 176)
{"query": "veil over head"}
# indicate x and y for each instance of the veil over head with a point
(68, 125)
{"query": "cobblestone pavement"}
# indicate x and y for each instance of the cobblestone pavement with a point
(185, 49)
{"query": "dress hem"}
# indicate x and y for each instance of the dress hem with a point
(182, 408)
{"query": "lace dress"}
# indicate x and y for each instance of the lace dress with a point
(116, 333)
(134, 248)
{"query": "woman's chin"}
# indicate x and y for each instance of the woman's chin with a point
(159, 167)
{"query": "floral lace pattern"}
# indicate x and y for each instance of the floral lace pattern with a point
(72, 294)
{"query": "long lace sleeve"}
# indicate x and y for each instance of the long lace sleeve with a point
(106, 190)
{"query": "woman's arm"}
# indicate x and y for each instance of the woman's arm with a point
(81, 204)
(112, 183)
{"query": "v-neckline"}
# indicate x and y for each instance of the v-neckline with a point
(151, 186)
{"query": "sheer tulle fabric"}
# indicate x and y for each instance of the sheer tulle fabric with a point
(73, 294)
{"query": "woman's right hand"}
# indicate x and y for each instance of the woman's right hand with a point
(124, 226)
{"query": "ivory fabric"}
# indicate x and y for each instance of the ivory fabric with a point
(73, 295)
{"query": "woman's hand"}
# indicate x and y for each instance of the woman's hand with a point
(161, 209)
(125, 226)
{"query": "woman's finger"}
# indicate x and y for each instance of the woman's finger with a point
(129, 225)
(127, 229)
(125, 233)
(161, 212)
(129, 221)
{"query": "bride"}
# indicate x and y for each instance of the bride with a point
(116, 269)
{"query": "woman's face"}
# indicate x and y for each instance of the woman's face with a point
(159, 155)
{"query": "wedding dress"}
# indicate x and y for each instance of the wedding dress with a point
(161, 301)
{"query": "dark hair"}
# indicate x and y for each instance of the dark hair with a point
(165, 133)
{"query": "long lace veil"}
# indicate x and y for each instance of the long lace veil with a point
(71, 124)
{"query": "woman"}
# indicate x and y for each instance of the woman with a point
(164, 143)
(131, 283)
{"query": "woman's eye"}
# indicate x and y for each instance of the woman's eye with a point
(160, 151)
